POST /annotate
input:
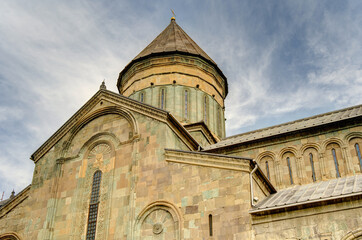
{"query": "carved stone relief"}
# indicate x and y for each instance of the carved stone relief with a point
(159, 224)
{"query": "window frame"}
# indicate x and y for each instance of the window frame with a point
(290, 171)
(142, 97)
(267, 169)
(312, 166)
(93, 206)
(211, 230)
(186, 107)
(358, 151)
(162, 99)
(205, 109)
(336, 165)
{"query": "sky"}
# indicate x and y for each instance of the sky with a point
(284, 60)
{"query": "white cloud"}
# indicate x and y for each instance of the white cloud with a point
(55, 55)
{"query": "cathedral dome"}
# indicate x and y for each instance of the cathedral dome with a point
(175, 74)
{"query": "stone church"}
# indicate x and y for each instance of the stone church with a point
(153, 162)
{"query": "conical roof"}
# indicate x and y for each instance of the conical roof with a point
(173, 39)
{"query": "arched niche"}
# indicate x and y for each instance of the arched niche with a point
(328, 141)
(159, 220)
(103, 137)
(353, 235)
(9, 236)
(289, 169)
(355, 148)
(97, 155)
(101, 121)
(312, 167)
(266, 161)
(334, 161)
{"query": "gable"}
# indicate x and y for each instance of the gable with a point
(106, 102)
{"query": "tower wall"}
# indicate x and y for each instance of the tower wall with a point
(192, 89)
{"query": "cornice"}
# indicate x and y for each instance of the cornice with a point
(201, 126)
(170, 83)
(208, 160)
(15, 201)
(184, 135)
(139, 66)
(172, 54)
(335, 126)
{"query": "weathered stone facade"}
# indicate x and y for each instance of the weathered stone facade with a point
(122, 167)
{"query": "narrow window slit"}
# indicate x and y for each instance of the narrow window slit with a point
(142, 97)
(290, 171)
(205, 109)
(267, 169)
(210, 225)
(186, 104)
(359, 155)
(162, 100)
(312, 166)
(335, 162)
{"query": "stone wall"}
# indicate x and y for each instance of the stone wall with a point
(174, 102)
(273, 155)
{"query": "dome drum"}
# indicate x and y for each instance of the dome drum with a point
(175, 69)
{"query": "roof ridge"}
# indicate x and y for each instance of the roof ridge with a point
(151, 43)
(164, 37)
(196, 47)
(294, 121)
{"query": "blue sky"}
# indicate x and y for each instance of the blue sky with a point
(284, 60)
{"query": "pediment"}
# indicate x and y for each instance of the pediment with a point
(106, 102)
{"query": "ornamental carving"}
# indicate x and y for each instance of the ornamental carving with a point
(100, 152)
(159, 224)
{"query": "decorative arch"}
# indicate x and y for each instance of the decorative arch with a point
(290, 171)
(98, 113)
(304, 147)
(328, 141)
(353, 235)
(268, 167)
(352, 135)
(354, 141)
(286, 150)
(312, 164)
(265, 154)
(334, 158)
(10, 236)
(163, 217)
(103, 137)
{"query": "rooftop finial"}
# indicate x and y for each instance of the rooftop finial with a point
(103, 85)
(173, 15)
(12, 194)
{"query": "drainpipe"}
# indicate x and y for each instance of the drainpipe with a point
(251, 183)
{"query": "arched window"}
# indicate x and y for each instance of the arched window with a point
(162, 98)
(312, 166)
(267, 169)
(219, 124)
(205, 109)
(93, 206)
(186, 106)
(335, 162)
(290, 171)
(359, 155)
(210, 225)
(9, 236)
(142, 97)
